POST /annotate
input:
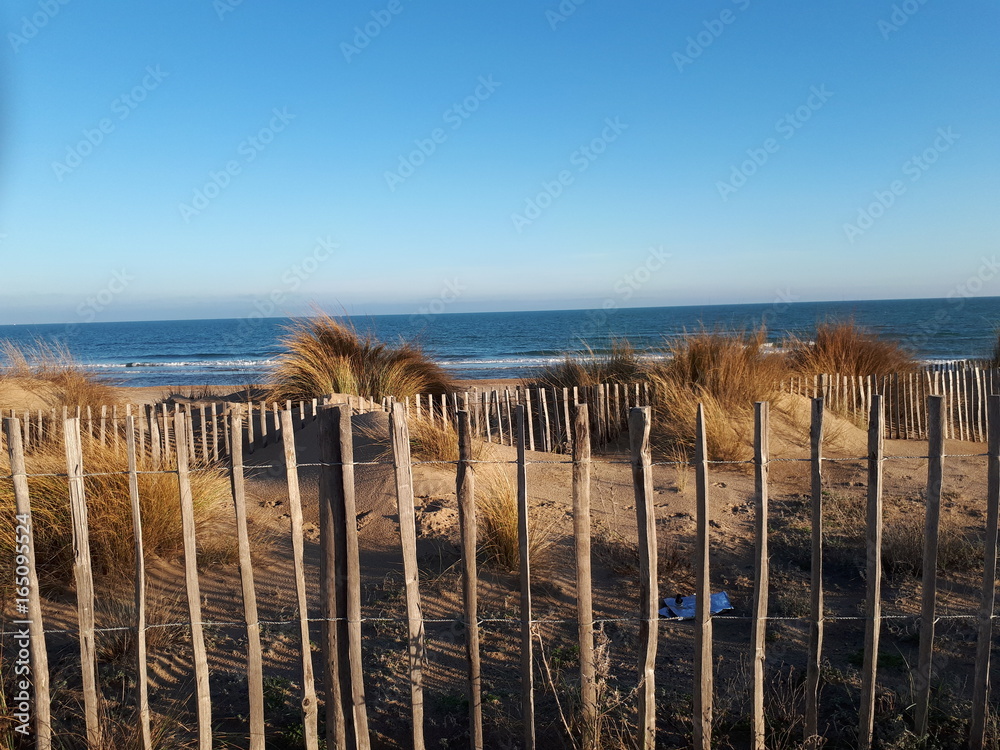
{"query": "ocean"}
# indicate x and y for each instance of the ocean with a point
(238, 351)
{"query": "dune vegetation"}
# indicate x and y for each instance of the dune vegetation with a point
(46, 373)
(620, 364)
(109, 512)
(324, 355)
(846, 348)
(726, 373)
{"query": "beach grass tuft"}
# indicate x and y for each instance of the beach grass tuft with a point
(50, 372)
(845, 348)
(109, 512)
(620, 364)
(324, 355)
(727, 373)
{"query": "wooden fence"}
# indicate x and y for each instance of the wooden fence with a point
(209, 434)
(343, 675)
(547, 412)
(965, 386)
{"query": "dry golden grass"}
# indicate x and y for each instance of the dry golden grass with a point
(324, 355)
(845, 348)
(497, 519)
(726, 373)
(49, 372)
(109, 511)
(430, 440)
(619, 365)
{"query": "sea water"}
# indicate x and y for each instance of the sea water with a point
(238, 351)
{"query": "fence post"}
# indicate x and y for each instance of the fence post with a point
(811, 737)
(873, 598)
(584, 584)
(400, 439)
(84, 579)
(932, 516)
(206, 455)
(332, 609)
(204, 699)
(703, 682)
(255, 668)
(141, 675)
(215, 432)
(465, 490)
(24, 527)
(980, 690)
(531, 428)
(524, 569)
(642, 482)
(349, 579)
(758, 627)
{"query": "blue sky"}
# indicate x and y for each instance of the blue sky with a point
(206, 158)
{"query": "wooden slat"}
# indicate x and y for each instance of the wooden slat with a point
(255, 662)
(203, 696)
(349, 582)
(213, 411)
(932, 516)
(192, 452)
(980, 689)
(703, 678)
(524, 570)
(531, 427)
(103, 431)
(543, 416)
(873, 597)
(165, 427)
(568, 421)
(142, 676)
(332, 609)
(584, 579)
(84, 580)
(465, 490)
(24, 535)
(203, 427)
(556, 419)
(642, 482)
(815, 653)
(400, 440)
(263, 424)
(758, 626)
(309, 707)
(250, 435)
